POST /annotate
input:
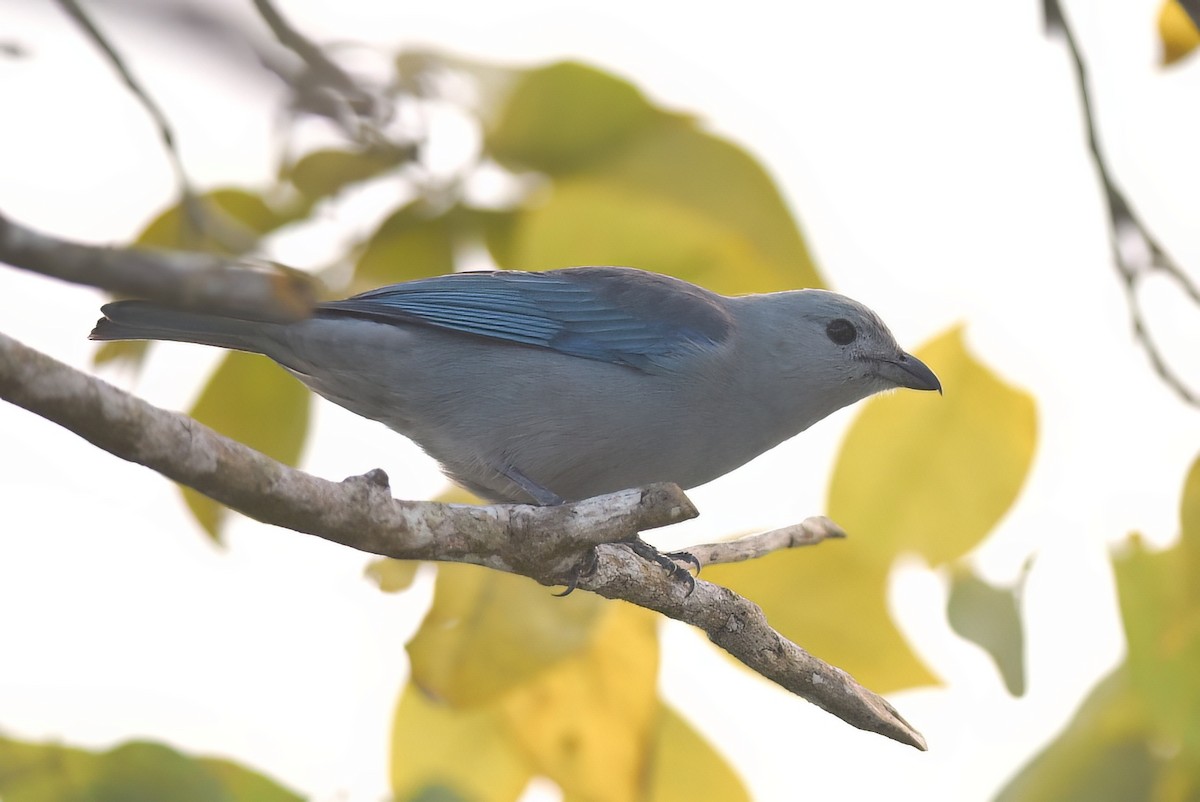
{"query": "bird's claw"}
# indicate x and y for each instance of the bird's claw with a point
(585, 568)
(668, 561)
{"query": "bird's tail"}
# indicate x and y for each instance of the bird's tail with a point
(142, 320)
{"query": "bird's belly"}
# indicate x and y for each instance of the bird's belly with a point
(574, 426)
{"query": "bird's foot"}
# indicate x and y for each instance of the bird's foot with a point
(668, 561)
(585, 568)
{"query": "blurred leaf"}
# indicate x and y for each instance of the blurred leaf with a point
(1160, 606)
(915, 473)
(151, 771)
(408, 244)
(453, 494)
(392, 576)
(489, 631)
(587, 723)
(936, 475)
(637, 185)
(227, 221)
(990, 617)
(565, 115)
(323, 173)
(120, 351)
(253, 401)
(1178, 32)
(243, 784)
(468, 752)
(685, 767)
(436, 793)
(130, 772)
(1137, 735)
(1102, 756)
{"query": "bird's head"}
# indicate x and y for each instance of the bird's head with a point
(833, 350)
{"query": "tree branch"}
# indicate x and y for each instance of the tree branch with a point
(177, 278)
(544, 543)
(76, 12)
(1136, 253)
(323, 87)
(808, 532)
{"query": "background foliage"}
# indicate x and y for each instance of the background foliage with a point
(509, 683)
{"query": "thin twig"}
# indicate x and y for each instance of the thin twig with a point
(808, 532)
(324, 87)
(76, 12)
(1125, 229)
(539, 542)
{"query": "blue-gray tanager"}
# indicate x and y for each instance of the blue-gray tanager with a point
(567, 384)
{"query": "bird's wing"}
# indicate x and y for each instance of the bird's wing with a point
(610, 314)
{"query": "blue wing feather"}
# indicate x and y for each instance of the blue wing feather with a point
(611, 314)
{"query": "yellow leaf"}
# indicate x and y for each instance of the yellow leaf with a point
(685, 767)
(1177, 30)
(600, 221)
(392, 576)
(916, 473)
(468, 751)
(831, 600)
(633, 184)
(489, 631)
(588, 722)
(253, 401)
(226, 220)
(409, 244)
(930, 475)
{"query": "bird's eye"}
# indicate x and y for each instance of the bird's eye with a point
(841, 331)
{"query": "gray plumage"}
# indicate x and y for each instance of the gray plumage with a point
(570, 383)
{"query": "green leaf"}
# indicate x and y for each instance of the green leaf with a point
(1160, 606)
(1102, 756)
(915, 474)
(1137, 735)
(323, 173)
(633, 184)
(253, 401)
(408, 244)
(686, 767)
(467, 752)
(392, 576)
(990, 617)
(228, 221)
(131, 772)
(670, 216)
(489, 631)
(564, 116)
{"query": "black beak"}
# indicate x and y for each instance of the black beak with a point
(908, 371)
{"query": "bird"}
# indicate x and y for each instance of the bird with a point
(544, 387)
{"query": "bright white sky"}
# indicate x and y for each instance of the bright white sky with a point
(934, 154)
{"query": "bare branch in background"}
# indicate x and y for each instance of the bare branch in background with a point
(177, 278)
(808, 532)
(1136, 253)
(539, 542)
(76, 13)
